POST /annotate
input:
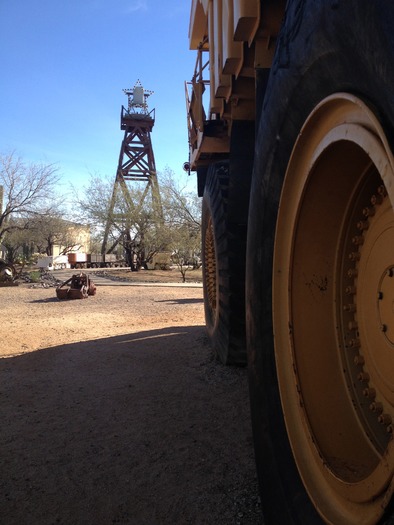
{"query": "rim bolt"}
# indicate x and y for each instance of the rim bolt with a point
(383, 328)
(390, 272)
(350, 290)
(382, 190)
(362, 225)
(363, 377)
(380, 296)
(377, 407)
(354, 256)
(385, 419)
(352, 325)
(359, 360)
(351, 307)
(358, 239)
(376, 199)
(370, 393)
(369, 212)
(352, 272)
(354, 343)
(389, 429)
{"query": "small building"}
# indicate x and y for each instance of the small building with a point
(76, 239)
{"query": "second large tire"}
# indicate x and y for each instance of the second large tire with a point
(224, 234)
(223, 264)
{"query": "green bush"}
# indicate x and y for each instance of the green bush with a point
(35, 276)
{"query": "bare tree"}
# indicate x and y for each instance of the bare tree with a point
(137, 228)
(182, 210)
(15, 242)
(26, 193)
(181, 207)
(133, 223)
(46, 231)
(186, 249)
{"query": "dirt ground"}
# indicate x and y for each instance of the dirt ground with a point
(114, 411)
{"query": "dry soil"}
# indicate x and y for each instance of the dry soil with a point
(114, 410)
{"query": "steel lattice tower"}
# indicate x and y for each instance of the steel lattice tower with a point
(136, 168)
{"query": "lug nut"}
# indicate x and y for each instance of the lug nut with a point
(385, 419)
(351, 307)
(376, 199)
(363, 225)
(358, 239)
(363, 377)
(359, 360)
(369, 212)
(352, 272)
(349, 290)
(377, 407)
(370, 393)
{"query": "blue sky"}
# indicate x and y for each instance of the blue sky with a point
(64, 64)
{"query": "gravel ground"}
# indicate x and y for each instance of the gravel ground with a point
(114, 410)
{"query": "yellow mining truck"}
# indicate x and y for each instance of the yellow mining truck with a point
(291, 131)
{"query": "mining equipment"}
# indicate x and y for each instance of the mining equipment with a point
(136, 177)
(291, 132)
(79, 286)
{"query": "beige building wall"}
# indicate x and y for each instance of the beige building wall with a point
(79, 235)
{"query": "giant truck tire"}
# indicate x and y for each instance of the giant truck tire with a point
(224, 307)
(320, 269)
(225, 211)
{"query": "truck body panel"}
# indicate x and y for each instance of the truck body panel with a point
(233, 38)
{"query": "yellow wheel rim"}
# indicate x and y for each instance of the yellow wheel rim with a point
(333, 308)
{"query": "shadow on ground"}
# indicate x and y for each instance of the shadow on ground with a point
(144, 428)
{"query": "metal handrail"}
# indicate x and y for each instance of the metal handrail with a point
(194, 91)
